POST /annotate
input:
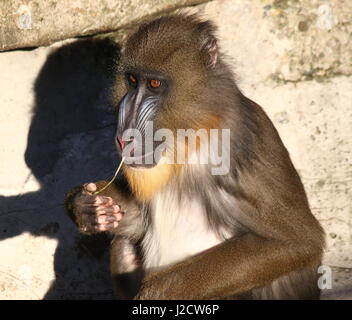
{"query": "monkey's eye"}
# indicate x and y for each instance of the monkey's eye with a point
(155, 83)
(132, 79)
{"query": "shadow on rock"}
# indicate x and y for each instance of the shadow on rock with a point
(70, 142)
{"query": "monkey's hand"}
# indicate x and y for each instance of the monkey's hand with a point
(94, 213)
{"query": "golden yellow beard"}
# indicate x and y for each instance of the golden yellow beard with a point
(146, 182)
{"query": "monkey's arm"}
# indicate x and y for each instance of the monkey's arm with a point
(126, 267)
(234, 267)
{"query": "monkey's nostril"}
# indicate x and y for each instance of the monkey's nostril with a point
(123, 143)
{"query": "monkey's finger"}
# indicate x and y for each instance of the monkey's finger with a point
(95, 200)
(89, 188)
(101, 200)
(106, 227)
(91, 224)
(105, 219)
(87, 211)
(108, 210)
(88, 225)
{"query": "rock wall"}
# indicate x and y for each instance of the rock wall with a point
(41, 22)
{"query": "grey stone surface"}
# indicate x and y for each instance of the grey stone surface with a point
(56, 128)
(42, 22)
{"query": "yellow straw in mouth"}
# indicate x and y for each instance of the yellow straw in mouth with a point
(113, 178)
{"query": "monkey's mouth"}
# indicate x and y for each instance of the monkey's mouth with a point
(132, 157)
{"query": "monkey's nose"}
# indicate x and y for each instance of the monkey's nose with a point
(121, 142)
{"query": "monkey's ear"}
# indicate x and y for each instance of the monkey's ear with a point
(208, 45)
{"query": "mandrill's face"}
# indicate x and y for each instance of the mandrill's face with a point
(161, 82)
(137, 111)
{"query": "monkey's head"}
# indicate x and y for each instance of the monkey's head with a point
(166, 74)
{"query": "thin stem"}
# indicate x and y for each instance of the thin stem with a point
(113, 178)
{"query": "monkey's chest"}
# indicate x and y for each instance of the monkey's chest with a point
(178, 230)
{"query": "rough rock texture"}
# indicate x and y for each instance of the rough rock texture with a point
(56, 128)
(41, 22)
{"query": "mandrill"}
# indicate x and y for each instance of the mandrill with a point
(182, 230)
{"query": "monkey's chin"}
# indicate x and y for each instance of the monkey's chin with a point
(143, 162)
